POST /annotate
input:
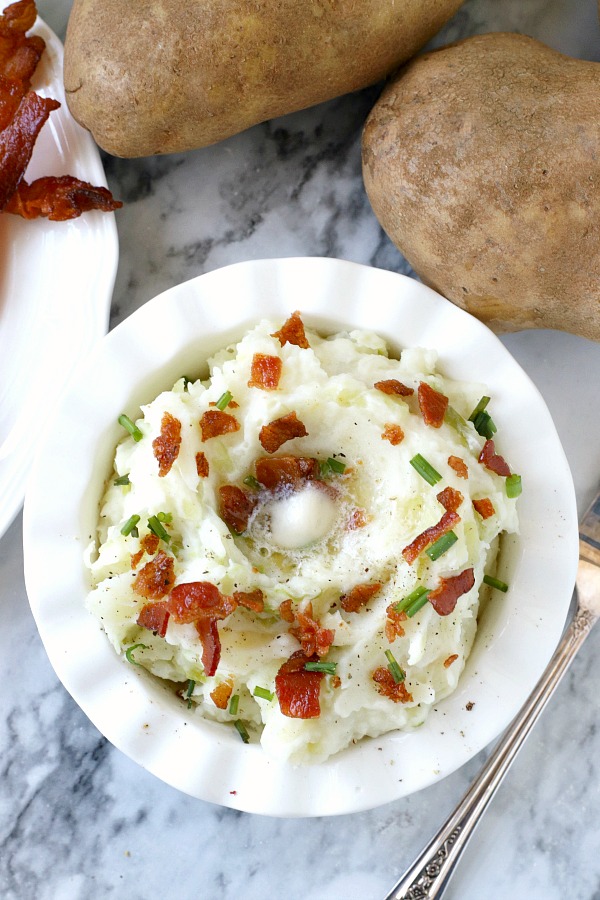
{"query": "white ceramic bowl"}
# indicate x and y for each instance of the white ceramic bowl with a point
(175, 333)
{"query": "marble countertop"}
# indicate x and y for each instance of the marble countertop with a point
(79, 820)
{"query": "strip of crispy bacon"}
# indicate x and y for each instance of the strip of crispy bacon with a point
(215, 423)
(394, 387)
(236, 507)
(359, 596)
(19, 54)
(432, 404)
(254, 600)
(459, 466)
(154, 617)
(59, 198)
(444, 598)
(384, 681)
(11, 94)
(429, 536)
(292, 332)
(286, 471)
(484, 507)
(195, 600)
(166, 445)
(281, 430)
(314, 639)
(265, 372)
(298, 690)
(208, 632)
(18, 139)
(18, 17)
(156, 578)
(490, 459)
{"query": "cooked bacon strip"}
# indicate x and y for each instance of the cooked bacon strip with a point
(298, 690)
(59, 198)
(208, 632)
(18, 17)
(19, 54)
(459, 466)
(449, 660)
(196, 600)
(214, 423)
(18, 139)
(166, 445)
(490, 459)
(11, 94)
(265, 372)
(254, 600)
(450, 499)
(286, 612)
(281, 430)
(432, 404)
(394, 626)
(484, 507)
(384, 681)
(156, 578)
(359, 596)
(221, 694)
(444, 598)
(286, 471)
(393, 434)
(202, 465)
(313, 638)
(236, 507)
(394, 387)
(292, 332)
(148, 544)
(429, 536)
(154, 617)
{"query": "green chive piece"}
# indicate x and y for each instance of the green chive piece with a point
(513, 486)
(417, 604)
(336, 465)
(242, 731)
(495, 583)
(425, 469)
(190, 690)
(122, 479)
(131, 427)
(398, 674)
(156, 528)
(328, 668)
(224, 400)
(129, 651)
(441, 546)
(479, 408)
(252, 482)
(129, 526)
(484, 425)
(263, 693)
(233, 705)
(167, 518)
(411, 598)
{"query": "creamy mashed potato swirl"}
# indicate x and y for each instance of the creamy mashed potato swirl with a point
(305, 547)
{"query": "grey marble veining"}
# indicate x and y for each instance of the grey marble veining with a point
(80, 821)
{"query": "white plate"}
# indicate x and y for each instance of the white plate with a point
(174, 333)
(56, 281)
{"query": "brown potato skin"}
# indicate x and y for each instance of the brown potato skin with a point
(482, 164)
(160, 76)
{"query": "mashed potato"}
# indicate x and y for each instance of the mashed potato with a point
(269, 541)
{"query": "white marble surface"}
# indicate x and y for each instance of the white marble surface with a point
(78, 820)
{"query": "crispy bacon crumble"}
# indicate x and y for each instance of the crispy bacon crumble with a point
(265, 372)
(298, 690)
(385, 684)
(215, 422)
(459, 466)
(279, 431)
(484, 507)
(292, 332)
(166, 446)
(393, 387)
(359, 596)
(432, 404)
(156, 578)
(393, 434)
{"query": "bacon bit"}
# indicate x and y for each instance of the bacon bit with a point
(459, 466)
(384, 680)
(148, 544)
(484, 507)
(281, 430)
(221, 694)
(429, 536)
(357, 519)
(448, 662)
(394, 388)
(393, 434)
(18, 139)
(298, 690)
(202, 465)
(444, 598)
(166, 445)
(450, 499)
(336, 681)
(393, 626)
(286, 471)
(196, 600)
(489, 458)
(215, 422)
(157, 577)
(359, 596)
(236, 507)
(313, 639)
(286, 612)
(59, 198)
(265, 372)
(254, 600)
(208, 632)
(292, 332)
(154, 617)
(432, 404)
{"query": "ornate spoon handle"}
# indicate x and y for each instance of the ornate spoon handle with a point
(429, 874)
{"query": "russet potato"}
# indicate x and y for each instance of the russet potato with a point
(482, 164)
(159, 76)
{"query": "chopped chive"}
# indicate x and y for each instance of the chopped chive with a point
(130, 526)
(122, 479)
(484, 425)
(167, 518)
(252, 482)
(131, 427)
(263, 693)
(513, 486)
(156, 528)
(441, 545)
(336, 465)
(224, 400)
(411, 598)
(398, 674)
(242, 731)
(456, 421)
(190, 690)
(233, 705)
(479, 408)
(495, 583)
(129, 651)
(328, 668)
(425, 469)
(417, 604)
